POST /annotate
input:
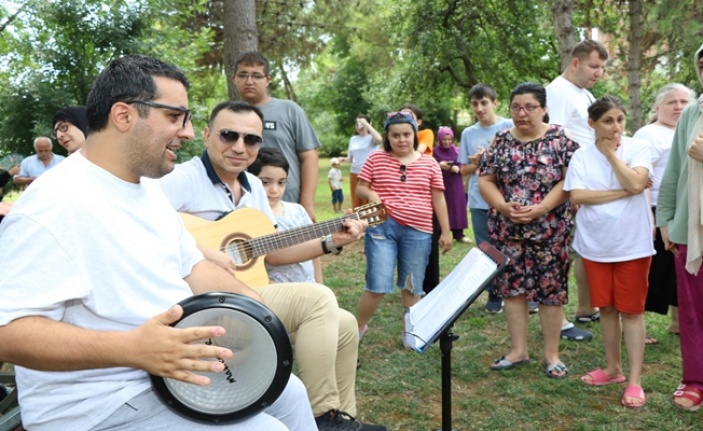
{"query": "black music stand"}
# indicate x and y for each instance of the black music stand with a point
(432, 318)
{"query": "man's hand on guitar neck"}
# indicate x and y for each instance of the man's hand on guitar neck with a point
(353, 230)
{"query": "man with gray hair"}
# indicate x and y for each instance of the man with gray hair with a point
(35, 165)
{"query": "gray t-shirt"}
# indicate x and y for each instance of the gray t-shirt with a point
(287, 128)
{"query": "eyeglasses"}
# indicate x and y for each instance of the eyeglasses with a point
(187, 114)
(62, 127)
(244, 76)
(229, 137)
(403, 177)
(528, 108)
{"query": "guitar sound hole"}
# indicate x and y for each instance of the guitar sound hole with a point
(238, 252)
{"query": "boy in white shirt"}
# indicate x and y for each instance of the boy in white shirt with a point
(334, 179)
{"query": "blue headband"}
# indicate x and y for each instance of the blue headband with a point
(400, 118)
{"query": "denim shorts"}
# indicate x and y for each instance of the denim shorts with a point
(389, 244)
(337, 196)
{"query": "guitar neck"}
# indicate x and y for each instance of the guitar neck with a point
(298, 235)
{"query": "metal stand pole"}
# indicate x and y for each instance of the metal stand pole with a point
(446, 342)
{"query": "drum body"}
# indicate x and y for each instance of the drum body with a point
(252, 379)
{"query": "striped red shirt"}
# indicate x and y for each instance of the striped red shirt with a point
(409, 202)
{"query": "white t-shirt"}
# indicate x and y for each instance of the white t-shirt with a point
(359, 149)
(83, 247)
(567, 105)
(659, 138)
(336, 176)
(616, 231)
(294, 215)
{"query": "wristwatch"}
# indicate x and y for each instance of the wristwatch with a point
(329, 246)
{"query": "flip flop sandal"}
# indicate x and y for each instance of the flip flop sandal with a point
(636, 392)
(693, 394)
(502, 364)
(601, 378)
(649, 340)
(553, 371)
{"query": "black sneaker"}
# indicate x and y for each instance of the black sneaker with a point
(337, 420)
(532, 307)
(494, 305)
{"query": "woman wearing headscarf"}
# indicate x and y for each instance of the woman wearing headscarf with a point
(447, 154)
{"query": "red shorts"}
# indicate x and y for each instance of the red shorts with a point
(623, 285)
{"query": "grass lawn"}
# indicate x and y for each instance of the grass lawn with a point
(402, 389)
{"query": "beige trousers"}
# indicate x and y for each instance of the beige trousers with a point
(325, 340)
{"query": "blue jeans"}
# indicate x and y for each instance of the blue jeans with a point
(391, 243)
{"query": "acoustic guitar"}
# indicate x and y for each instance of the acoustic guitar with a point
(247, 234)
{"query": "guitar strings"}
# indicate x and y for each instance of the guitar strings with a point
(264, 244)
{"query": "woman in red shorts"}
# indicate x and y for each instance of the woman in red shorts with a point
(614, 238)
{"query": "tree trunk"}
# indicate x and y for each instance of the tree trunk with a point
(239, 34)
(634, 56)
(562, 11)
(290, 92)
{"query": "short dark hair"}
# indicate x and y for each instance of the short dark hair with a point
(416, 110)
(584, 48)
(268, 157)
(234, 106)
(127, 79)
(365, 117)
(479, 91)
(603, 105)
(252, 58)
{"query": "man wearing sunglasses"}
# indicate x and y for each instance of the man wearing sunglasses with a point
(286, 127)
(87, 329)
(326, 337)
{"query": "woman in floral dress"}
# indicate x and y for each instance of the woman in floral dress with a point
(521, 177)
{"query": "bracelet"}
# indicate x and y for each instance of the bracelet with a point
(329, 245)
(325, 250)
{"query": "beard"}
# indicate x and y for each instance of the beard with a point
(146, 153)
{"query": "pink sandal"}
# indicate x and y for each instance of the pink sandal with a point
(601, 378)
(690, 393)
(636, 392)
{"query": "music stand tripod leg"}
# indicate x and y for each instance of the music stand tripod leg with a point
(446, 342)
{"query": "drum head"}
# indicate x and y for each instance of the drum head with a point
(253, 378)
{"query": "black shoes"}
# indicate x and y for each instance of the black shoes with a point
(336, 420)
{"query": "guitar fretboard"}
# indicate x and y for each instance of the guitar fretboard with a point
(276, 241)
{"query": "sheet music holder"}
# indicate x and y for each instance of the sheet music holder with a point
(439, 309)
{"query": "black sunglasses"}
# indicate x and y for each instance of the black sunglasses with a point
(229, 137)
(403, 177)
(186, 118)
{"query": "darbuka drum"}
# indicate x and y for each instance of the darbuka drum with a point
(252, 379)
